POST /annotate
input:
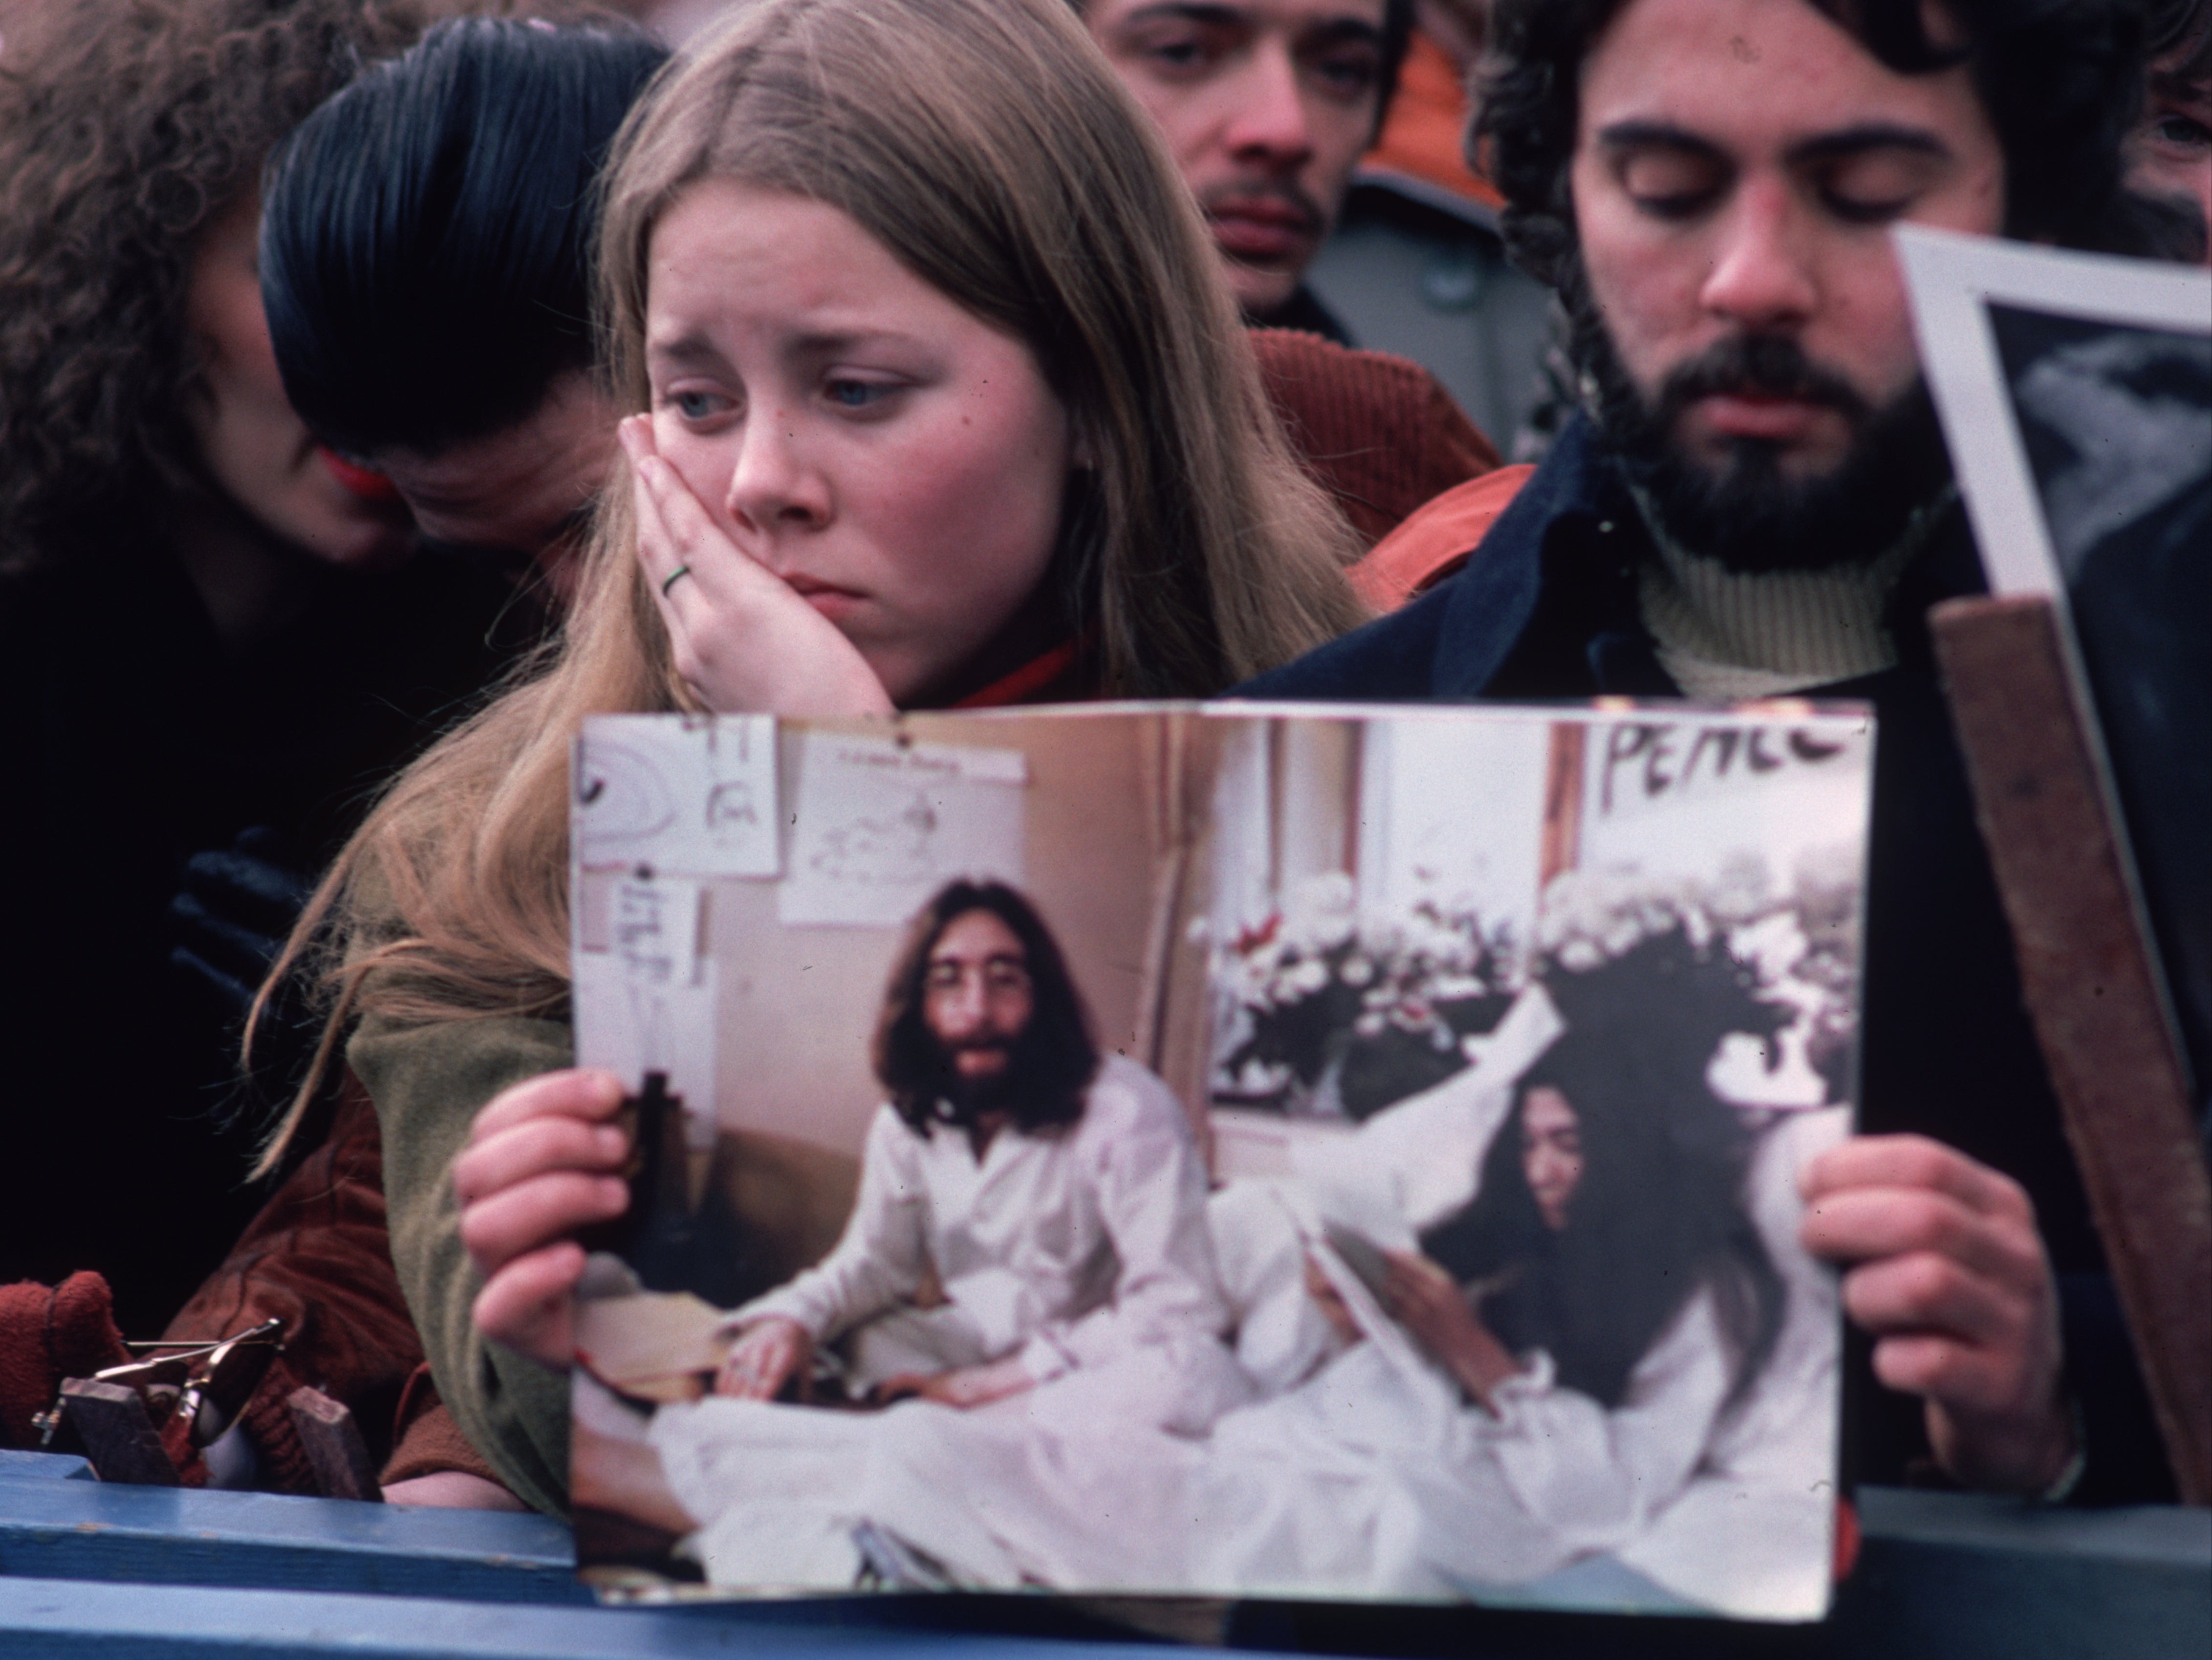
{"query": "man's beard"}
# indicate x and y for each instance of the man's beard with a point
(961, 1099)
(1746, 514)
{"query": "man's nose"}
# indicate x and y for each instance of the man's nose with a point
(772, 485)
(1764, 277)
(1269, 124)
(961, 1007)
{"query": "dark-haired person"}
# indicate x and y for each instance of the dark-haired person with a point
(1266, 105)
(1048, 1201)
(1057, 1196)
(204, 629)
(426, 240)
(1759, 502)
(2170, 151)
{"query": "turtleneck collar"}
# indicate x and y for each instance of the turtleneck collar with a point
(1725, 635)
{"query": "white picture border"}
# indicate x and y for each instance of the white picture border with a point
(1952, 278)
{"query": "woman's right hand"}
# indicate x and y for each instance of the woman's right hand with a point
(1422, 1296)
(765, 1357)
(742, 639)
(542, 1163)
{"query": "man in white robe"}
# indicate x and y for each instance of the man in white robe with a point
(1028, 1213)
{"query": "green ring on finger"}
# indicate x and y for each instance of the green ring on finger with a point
(680, 571)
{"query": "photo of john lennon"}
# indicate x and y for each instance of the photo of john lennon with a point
(1172, 1151)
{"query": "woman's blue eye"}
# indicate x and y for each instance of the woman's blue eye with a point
(694, 405)
(854, 394)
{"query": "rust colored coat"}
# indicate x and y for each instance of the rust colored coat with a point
(1379, 433)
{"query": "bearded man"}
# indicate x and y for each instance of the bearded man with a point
(1756, 501)
(1027, 1209)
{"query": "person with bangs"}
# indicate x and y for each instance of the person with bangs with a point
(426, 244)
(2170, 151)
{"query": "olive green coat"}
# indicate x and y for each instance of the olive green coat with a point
(429, 1083)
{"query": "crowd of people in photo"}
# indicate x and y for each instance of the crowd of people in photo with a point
(388, 386)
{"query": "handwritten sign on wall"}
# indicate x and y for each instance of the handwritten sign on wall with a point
(697, 796)
(882, 825)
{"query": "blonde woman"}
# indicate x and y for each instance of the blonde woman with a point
(937, 398)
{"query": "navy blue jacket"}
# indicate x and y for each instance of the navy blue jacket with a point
(1547, 609)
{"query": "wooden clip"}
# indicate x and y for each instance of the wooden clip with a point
(118, 1436)
(334, 1447)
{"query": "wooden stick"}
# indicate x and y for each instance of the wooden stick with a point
(2092, 985)
(118, 1436)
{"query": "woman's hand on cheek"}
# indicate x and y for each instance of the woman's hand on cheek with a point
(742, 641)
(543, 1161)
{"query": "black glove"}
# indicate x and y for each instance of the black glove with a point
(233, 914)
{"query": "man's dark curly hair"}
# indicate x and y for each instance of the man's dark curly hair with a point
(2062, 81)
(128, 128)
(1053, 1059)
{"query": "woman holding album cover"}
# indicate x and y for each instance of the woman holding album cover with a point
(938, 398)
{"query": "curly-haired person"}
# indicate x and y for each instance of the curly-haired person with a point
(2170, 151)
(206, 628)
(1755, 499)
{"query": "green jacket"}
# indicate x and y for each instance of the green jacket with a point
(429, 1083)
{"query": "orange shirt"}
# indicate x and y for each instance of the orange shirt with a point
(1425, 135)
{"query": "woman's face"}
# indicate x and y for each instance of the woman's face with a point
(254, 446)
(895, 460)
(1551, 1152)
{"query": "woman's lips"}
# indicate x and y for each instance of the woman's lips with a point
(827, 597)
(358, 481)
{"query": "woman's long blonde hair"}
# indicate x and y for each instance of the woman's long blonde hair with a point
(990, 148)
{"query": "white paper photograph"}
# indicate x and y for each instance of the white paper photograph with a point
(2077, 395)
(1211, 1178)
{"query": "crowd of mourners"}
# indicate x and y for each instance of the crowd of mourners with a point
(387, 385)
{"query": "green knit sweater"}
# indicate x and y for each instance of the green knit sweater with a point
(429, 1083)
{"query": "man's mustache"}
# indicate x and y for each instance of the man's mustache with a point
(983, 1045)
(1764, 365)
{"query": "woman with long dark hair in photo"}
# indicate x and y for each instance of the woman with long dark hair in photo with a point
(1611, 1195)
(1581, 1334)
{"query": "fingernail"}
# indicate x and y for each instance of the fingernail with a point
(614, 1191)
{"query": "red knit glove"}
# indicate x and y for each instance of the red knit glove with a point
(45, 1335)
